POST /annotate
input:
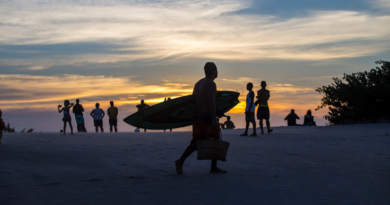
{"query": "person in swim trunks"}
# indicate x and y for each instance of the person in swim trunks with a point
(250, 110)
(66, 118)
(205, 93)
(78, 112)
(98, 115)
(263, 96)
(112, 113)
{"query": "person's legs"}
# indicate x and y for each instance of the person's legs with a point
(110, 128)
(145, 129)
(64, 127)
(254, 129)
(246, 129)
(179, 163)
(101, 128)
(268, 125)
(71, 127)
(116, 128)
(261, 126)
(97, 128)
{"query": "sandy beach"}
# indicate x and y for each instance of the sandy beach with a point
(293, 165)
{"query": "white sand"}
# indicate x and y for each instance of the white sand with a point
(293, 165)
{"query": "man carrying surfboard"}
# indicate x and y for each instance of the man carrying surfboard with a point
(205, 119)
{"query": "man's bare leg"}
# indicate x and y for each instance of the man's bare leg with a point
(116, 129)
(214, 168)
(101, 129)
(246, 130)
(110, 128)
(261, 126)
(268, 126)
(179, 163)
(254, 129)
(96, 128)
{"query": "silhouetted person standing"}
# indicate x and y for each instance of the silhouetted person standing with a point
(292, 118)
(2, 125)
(142, 106)
(97, 114)
(112, 113)
(78, 112)
(165, 100)
(66, 118)
(263, 96)
(250, 110)
(205, 117)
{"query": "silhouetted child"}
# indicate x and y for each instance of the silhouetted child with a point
(250, 110)
(97, 114)
(2, 126)
(292, 118)
(228, 124)
(66, 118)
(309, 119)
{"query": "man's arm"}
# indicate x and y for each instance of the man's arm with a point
(91, 113)
(297, 116)
(60, 110)
(252, 96)
(286, 117)
(116, 113)
(82, 109)
(103, 113)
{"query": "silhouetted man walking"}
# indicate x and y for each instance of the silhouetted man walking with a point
(205, 93)
(78, 112)
(250, 110)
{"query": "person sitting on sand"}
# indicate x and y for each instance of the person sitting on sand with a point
(2, 125)
(292, 118)
(140, 107)
(205, 118)
(78, 112)
(66, 118)
(98, 114)
(112, 113)
(263, 96)
(308, 120)
(228, 124)
(250, 110)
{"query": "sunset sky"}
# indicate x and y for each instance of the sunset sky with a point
(126, 51)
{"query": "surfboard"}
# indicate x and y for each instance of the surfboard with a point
(178, 112)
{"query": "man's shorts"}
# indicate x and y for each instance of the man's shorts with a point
(200, 128)
(79, 119)
(113, 122)
(250, 117)
(263, 113)
(98, 123)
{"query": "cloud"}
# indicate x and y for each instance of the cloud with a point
(29, 90)
(172, 30)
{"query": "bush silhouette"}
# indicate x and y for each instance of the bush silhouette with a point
(362, 97)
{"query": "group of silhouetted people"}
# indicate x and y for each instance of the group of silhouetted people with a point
(97, 114)
(292, 117)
